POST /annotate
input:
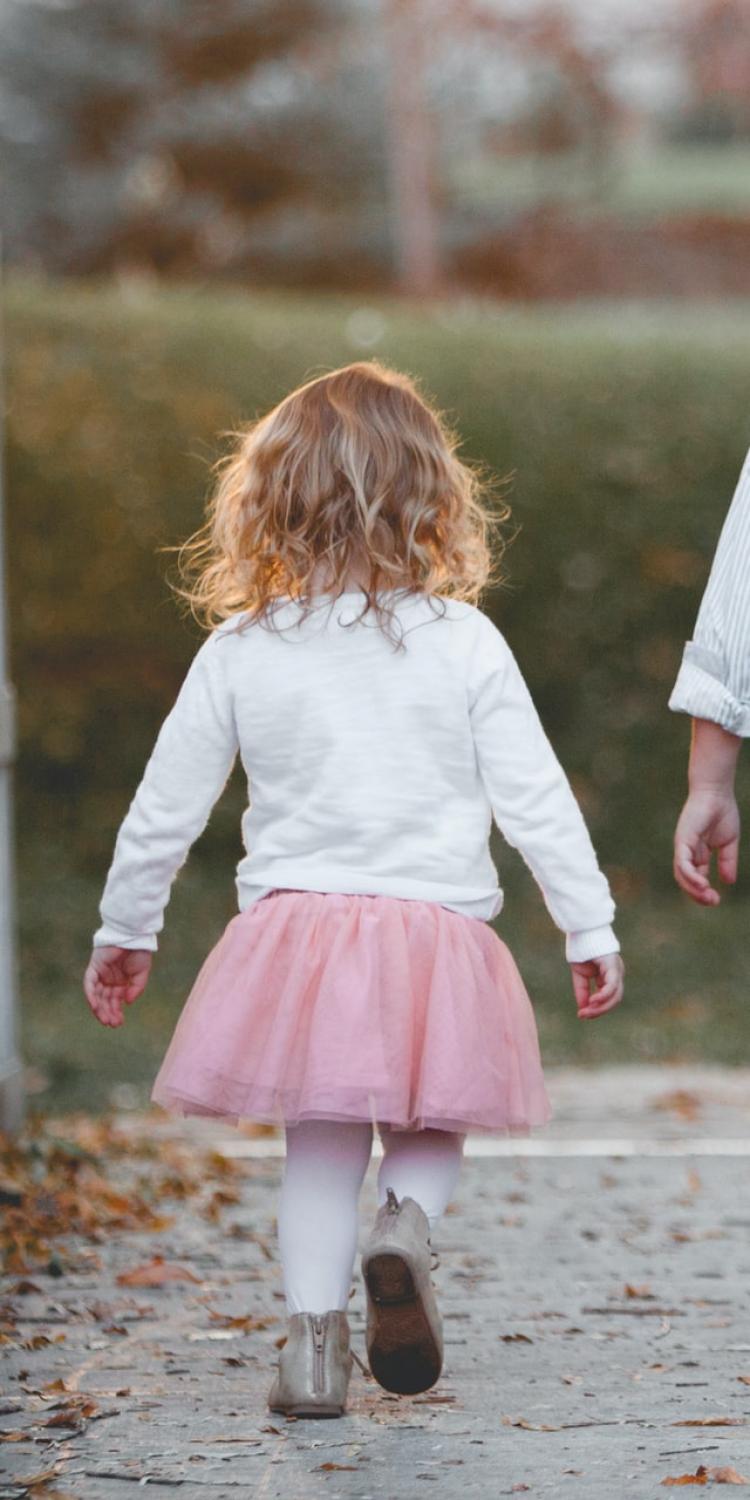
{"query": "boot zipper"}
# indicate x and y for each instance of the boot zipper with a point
(318, 1346)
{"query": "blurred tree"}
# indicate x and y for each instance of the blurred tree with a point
(713, 37)
(159, 134)
(568, 104)
(411, 146)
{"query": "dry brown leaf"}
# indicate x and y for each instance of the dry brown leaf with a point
(41, 1477)
(157, 1272)
(247, 1324)
(327, 1468)
(703, 1475)
(689, 1236)
(710, 1422)
(644, 1292)
(529, 1426)
(515, 1338)
(679, 1102)
(72, 1412)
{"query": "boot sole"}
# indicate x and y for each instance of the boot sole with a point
(302, 1409)
(404, 1355)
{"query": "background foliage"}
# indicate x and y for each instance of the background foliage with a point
(623, 434)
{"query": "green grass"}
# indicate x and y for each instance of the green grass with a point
(637, 184)
(624, 428)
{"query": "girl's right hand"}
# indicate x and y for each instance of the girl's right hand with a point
(115, 977)
(608, 974)
(709, 824)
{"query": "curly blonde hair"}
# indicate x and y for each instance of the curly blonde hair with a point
(352, 470)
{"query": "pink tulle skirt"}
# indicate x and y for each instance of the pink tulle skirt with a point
(317, 1005)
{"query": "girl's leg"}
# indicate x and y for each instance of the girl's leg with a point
(318, 1212)
(421, 1164)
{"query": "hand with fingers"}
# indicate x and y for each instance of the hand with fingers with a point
(607, 974)
(115, 977)
(708, 824)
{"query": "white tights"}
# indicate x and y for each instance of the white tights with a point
(318, 1211)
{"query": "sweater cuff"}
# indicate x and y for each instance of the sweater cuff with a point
(701, 692)
(593, 943)
(112, 937)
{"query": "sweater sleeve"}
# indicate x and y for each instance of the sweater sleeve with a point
(188, 769)
(533, 803)
(714, 677)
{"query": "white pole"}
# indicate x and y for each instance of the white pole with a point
(11, 1092)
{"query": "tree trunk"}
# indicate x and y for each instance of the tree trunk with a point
(410, 148)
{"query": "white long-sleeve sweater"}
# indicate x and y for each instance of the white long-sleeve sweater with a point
(369, 770)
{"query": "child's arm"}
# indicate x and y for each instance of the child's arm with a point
(713, 686)
(710, 819)
(188, 768)
(535, 809)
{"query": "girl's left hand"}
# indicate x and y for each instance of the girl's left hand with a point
(115, 977)
(607, 974)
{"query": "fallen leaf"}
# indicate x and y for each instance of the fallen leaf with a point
(515, 1338)
(702, 1475)
(157, 1272)
(644, 1292)
(33, 1481)
(248, 1324)
(528, 1426)
(710, 1422)
(329, 1466)
(689, 1236)
(72, 1412)
(679, 1102)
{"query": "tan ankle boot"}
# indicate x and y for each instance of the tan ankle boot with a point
(404, 1327)
(314, 1366)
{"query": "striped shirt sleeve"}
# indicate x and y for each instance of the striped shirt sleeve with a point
(714, 677)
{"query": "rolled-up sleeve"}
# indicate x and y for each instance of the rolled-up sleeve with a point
(714, 677)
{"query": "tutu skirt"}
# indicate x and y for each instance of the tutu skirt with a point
(318, 1005)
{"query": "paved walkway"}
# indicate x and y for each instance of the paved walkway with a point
(596, 1309)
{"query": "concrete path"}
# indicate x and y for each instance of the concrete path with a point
(596, 1314)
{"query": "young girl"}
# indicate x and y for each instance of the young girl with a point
(382, 721)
